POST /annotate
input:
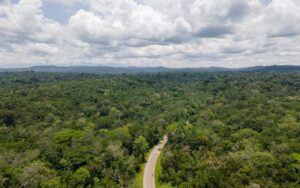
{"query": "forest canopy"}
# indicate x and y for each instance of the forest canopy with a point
(82, 130)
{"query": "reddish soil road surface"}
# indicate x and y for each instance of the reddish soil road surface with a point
(149, 176)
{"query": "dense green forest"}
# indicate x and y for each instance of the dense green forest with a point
(81, 130)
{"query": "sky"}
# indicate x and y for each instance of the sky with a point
(170, 33)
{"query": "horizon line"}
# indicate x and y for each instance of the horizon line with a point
(128, 66)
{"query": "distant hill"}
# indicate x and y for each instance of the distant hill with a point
(136, 70)
(90, 69)
(274, 68)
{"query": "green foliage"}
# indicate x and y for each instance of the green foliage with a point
(140, 147)
(51, 183)
(79, 130)
(35, 174)
(67, 135)
(247, 135)
(296, 157)
(80, 177)
(7, 117)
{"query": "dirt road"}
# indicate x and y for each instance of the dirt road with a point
(149, 176)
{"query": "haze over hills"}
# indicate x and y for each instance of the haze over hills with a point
(136, 70)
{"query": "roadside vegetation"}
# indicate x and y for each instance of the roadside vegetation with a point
(138, 182)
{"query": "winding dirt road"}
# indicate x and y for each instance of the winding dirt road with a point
(149, 176)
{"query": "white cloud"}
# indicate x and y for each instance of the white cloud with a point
(152, 33)
(65, 2)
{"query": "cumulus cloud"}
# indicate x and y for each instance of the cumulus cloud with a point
(174, 33)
